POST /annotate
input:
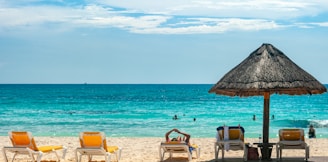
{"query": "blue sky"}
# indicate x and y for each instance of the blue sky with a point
(154, 41)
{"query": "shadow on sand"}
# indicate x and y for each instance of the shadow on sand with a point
(286, 159)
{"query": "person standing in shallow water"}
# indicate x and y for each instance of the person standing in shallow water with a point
(311, 132)
(254, 117)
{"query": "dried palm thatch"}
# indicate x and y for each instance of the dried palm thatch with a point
(267, 69)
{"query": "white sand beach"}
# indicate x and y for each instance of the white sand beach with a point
(147, 149)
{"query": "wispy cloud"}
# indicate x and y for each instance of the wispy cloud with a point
(212, 25)
(322, 24)
(164, 17)
(273, 9)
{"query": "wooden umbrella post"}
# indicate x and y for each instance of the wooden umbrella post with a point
(266, 152)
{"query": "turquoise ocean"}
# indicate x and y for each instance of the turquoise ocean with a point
(146, 110)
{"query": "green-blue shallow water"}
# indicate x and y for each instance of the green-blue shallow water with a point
(146, 110)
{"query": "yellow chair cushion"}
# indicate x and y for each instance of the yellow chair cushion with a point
(112, 149)
(49, 148)
(291, 135)
(92, 141)
(234, 134)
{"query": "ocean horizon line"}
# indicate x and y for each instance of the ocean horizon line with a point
(326, 84)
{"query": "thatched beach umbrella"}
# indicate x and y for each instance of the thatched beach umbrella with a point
(264, 72)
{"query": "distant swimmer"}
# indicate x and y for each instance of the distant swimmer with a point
(194, 119)
(254, 117)
(175, 117)
(272, 117)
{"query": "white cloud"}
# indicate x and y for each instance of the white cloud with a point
(273, 9)
(97, 16)
(124, 22)
(221, 25)
(311, 24)
(172, 16)
(322, 24)
(11, 17)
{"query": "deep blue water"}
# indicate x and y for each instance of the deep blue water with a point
(146, 110)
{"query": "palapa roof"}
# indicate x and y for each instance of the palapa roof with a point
(267, 69)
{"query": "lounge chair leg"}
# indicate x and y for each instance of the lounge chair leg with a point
(245, 153)
(161, 155)
(118, 157)
(15, 156)
(58, 158)
(80, 158)
(307, 153)
(216, 150)
(4, 155)
(39, 157)
(107, 157)
(277, 151)
(76, 156)
(64, 152)
(198, 152)
(32, 156)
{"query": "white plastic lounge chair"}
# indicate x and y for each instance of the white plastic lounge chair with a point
(177, 147)
(94, 144)
(231, 140)
(291, 139)
(23, 143)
